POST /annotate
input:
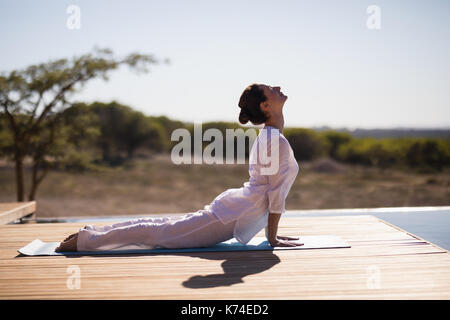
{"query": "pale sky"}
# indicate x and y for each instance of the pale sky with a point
(335, 70)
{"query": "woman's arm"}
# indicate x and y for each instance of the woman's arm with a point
(271, 233)
(272, 227)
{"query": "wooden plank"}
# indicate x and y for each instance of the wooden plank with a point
(384, 262)
(11, 211)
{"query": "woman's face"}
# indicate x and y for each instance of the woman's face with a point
(275, 98)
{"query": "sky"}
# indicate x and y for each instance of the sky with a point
(335, 67)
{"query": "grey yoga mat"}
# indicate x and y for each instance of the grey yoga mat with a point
(40, 248)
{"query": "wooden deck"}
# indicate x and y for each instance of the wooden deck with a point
(384, 262)
(11, 211)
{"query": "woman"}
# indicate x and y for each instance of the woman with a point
(239, 212)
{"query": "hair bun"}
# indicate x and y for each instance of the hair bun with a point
(243, 117)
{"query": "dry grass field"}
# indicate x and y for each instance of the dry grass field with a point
(156, 185)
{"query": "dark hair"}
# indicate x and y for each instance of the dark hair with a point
(249, 103)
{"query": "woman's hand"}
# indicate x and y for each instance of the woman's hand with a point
(281, 241)
(287, 238)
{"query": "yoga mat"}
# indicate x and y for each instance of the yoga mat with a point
(39, 248)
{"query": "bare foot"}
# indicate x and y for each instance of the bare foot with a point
(68, 245)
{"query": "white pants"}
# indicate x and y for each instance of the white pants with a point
(192, 230)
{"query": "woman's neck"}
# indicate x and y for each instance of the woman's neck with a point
(276, 121)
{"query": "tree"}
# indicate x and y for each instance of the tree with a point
(124, 130)
(336, 139)
(33, 100)
(79, 135)
(306, 143)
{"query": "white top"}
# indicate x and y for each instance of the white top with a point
(266, 190)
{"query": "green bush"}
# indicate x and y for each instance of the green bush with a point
(428, 153)
(76, 161)
(307, 144)
(6, 138)
(335, 139)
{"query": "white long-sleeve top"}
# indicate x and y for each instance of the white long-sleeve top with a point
(270, 180)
